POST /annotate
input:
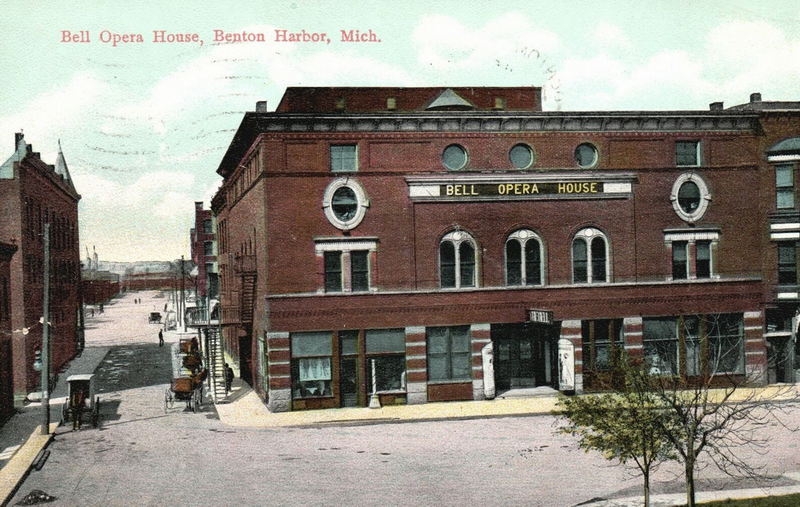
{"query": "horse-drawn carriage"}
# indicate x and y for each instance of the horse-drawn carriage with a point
(81, 401)
(155, 318)
(188, 388)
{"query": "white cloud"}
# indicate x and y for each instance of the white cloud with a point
(445, 43)
(610, 36)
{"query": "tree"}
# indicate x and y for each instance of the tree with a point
(712, 405)
(625, 425)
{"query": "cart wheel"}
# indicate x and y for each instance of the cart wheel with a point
(193, 401)
(199, 399)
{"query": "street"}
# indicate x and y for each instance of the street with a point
(141, 455)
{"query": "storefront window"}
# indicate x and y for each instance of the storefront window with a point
(311, 364)
(386, 349)
(661, 345)
(448, 353)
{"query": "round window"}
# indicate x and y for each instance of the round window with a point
(521, 156)
(344, 203)
(454, 157)
(689, 197)
(586, 155)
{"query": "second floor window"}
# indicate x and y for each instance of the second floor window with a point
(523, 259)
(457, 261)
(345, 269)
(589, 257)
(680, 260)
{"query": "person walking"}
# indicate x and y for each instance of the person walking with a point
(228, 378)
(160, 338)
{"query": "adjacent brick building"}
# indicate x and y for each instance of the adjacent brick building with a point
(204, 253)
(33, 193)
(6, 377)
(423, 231)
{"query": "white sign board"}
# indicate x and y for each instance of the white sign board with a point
(566, 365)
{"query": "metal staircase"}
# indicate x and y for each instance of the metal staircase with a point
(216, 365)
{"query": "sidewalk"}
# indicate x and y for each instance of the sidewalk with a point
(20, 438)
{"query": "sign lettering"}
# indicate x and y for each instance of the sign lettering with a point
(521, 189)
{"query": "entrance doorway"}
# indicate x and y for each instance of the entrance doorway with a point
(523, 355)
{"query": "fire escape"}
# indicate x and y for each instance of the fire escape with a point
(245, 267)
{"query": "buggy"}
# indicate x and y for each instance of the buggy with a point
(81, 401)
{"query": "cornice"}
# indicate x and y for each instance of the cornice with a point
(508, 122)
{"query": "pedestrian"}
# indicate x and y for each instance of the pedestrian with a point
(101, 307)
(160, 338)
(228, 378)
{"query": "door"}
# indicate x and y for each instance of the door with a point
(348, 368)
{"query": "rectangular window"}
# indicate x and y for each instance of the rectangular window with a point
(784, 186)
(333, 271)
(726, 343)
(207, 229)
(449, 353)
(687, 153)
(386, 349)
(311, 364)
(208, 248)
(702, 266)
(680, 269)
(787, 263)
(601, 343)
(359, 270)
(344, 158)
(660, 345)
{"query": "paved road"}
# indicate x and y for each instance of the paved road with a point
(144, 456)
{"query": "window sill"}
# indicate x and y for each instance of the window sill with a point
(451, 381)
(391, 391)
(328, 397)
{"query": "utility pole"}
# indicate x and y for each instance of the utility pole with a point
(46, 336)
(183, 296)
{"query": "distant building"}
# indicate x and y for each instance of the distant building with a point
(98, 286)
(6, 377)
(397, 237)
(204, 253)
(33, 193)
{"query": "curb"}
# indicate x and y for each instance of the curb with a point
(15, 471)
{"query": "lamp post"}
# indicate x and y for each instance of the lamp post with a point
(374, 400)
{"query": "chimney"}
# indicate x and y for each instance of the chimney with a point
(261, 106)
(755, 97)
(17, 137)
(715, 106)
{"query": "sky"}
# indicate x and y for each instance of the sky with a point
(144, 125)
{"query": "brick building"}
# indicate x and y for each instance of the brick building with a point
(6, 377)
(204, 253)
(420, 232)
(33, 193)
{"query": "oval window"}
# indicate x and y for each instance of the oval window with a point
(689, 197)
(454, 157)
(586, 155)
(344, 203)
(521, 156)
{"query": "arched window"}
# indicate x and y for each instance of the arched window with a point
(590, 257)
(457, 261)
(523, 258)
